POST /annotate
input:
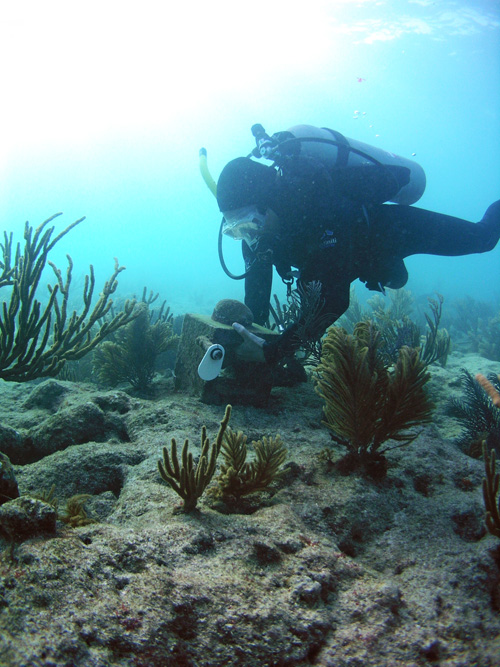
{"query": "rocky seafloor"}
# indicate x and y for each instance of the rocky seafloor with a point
(332, 570)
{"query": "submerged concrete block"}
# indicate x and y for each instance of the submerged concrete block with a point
(239, 383)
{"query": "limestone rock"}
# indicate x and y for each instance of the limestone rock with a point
(8, 482)
(24, 517)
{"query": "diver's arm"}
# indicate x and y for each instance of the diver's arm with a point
(335, 296)
(255, 348)
(258, 284)
(287, 343)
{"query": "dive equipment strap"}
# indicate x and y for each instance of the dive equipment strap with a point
(343, 147)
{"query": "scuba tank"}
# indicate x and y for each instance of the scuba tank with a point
(334, 151)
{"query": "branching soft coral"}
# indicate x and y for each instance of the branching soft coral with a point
(367, 402)
(36, 341)
(132, 355)
(187, 479)
(240, 478)
(491, 482)
(476, 413)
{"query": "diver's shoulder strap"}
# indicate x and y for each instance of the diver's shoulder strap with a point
(343, 148)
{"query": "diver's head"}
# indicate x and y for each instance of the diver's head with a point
(243, 194)
(244, 182)
(244, 224)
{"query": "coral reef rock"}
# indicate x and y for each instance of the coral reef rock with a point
(228, 311)
(326, 569)
(8, 483)
(24, 517)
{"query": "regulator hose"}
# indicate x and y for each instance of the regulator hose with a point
(223, 263)
(212, 186)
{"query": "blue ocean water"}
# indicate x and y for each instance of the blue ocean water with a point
(105, 107)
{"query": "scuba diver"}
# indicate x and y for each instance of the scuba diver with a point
(320, 213)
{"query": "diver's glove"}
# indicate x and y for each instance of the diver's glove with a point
(255, 348)
(252, 348)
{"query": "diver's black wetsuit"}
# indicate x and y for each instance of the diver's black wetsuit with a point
(334, 238)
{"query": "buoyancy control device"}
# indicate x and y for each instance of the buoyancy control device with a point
(331, 148)
(336, 151)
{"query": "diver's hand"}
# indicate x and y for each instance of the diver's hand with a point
(252, 348)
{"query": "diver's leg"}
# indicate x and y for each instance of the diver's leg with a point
(405, 230)
(396, 275)
(491, 223)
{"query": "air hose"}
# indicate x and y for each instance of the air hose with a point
(212, 186)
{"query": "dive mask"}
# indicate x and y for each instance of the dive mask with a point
(244, 224)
